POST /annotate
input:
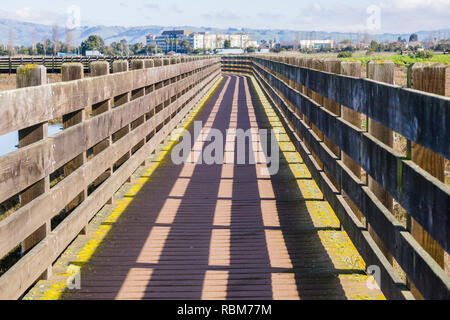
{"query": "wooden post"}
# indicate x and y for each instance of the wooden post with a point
(353, 69)
(308, 63)
(429, 78)
(135, 94)
(178, 61)
(158, 62)
(70, 72)
(149, 63)
(332, 66)
(121, 66)
(137, 64)
(101, 68)
(29, 76)
(382, 71)
(317, 64)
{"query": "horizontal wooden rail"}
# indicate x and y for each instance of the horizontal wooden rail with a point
(79, 137)
(21, 108)
(167, 93)
(398, 176)
(54, 64)
(423, 118)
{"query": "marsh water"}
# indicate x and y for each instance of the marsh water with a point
(9, 141)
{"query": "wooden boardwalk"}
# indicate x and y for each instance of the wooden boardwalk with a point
(197, 231)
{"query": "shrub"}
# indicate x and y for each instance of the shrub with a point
(345, 54)
(424, 54)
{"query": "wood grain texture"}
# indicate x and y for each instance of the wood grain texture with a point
(365, 95)
(25, 107)
(428, 78)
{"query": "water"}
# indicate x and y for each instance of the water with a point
(9, 141)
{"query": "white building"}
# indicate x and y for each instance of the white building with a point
(239, 40)
(174, 40)
(315, 44)
(253, 43)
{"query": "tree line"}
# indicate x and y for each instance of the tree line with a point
(92, 43)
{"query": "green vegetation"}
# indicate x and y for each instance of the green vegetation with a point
(403, 60)
(413, 37)
(345, 54)
(422, 55)
(93, 42)
(3, 52)
(197, 51)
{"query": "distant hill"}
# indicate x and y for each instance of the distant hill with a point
(23, 32)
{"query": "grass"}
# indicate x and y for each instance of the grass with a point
(402, 60)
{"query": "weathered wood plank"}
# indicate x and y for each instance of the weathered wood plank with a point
(374, 168)
(41, 159)
(430, 78)
(22, 108)
(405, 114)
(19, 224)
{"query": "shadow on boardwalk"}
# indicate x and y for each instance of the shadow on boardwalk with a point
(200, 232)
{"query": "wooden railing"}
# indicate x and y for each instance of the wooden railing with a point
(233, 63)
(53, 63)
(122, 118)
(311, 104)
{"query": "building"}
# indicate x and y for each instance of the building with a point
(176, 40)
(252, 43)
(241, 40)
(307, 44)
(316, 44)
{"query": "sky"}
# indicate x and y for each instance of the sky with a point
(374, 16)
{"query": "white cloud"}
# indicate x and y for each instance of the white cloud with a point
(414, 15)
(40, 16)
(403, 16)
(34, 16)
(397, 16)
(176, 9)
(415, 5)
(151, 5)
(316, 7)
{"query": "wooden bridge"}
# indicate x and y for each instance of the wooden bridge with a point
(101, 211)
